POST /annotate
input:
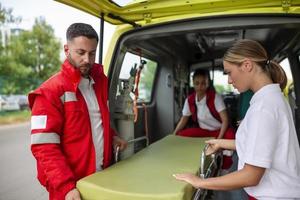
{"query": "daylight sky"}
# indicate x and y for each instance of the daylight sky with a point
(58, 15)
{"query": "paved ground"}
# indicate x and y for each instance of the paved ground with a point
(17, 168)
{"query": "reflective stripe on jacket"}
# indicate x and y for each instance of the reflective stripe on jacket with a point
(61, 136)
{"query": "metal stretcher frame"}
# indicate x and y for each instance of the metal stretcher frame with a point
(210, 166)
(147, 175)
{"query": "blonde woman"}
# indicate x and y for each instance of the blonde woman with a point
(266, 141)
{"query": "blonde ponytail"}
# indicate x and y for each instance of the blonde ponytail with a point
(276, 73)
(246, 48)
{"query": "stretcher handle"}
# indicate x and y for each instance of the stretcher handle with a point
(203, 159)
(117, 151)
(117, 148)
(214, 157)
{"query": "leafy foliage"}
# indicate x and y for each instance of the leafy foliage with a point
(29, 57)
(7, 17)
(146, 82)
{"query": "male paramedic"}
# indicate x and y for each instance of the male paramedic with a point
(71, 135)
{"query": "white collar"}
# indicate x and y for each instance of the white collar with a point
(264, 91)
(86, 81)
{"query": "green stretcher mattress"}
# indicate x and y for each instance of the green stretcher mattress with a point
(147, 175)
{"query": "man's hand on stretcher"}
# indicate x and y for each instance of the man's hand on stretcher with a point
(119, 142)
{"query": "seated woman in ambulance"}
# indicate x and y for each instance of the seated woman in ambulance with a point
(206, 110)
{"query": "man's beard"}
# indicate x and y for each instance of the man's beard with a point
(84, 69)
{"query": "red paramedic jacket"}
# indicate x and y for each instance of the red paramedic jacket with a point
(61, 137)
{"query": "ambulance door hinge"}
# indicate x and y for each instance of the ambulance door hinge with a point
(147, 17)
(286, 4)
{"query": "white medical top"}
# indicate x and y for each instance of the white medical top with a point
(87, 90)
(205, 118)
(267, 138)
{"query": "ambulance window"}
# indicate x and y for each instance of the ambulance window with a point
(123, 3)
(146, 79)
(221, 84)
(220, 81)
(286, 66)
(289, 91)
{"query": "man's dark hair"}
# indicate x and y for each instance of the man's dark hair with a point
(81, 29)
(201, 72)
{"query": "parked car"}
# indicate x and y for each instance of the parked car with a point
(167, 40)
(8, 104)
(1, 102)
(23, 102)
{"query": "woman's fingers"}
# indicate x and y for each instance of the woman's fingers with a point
(182, 177)
(210, 150)
(213, 146)
(189, 178)
(211, 142)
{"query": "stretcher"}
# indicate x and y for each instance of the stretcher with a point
(147, 175)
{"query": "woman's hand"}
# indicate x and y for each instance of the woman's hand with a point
(189, 178)
(217, 144)
(213, 146)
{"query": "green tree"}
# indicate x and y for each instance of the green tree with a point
(31, 57)
(146, 81)
(6, 16)
(220, 89)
